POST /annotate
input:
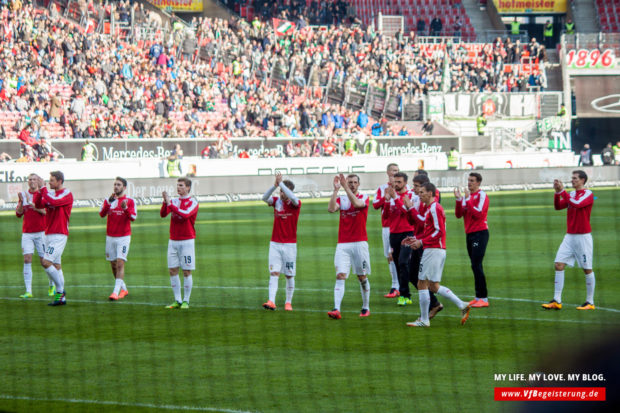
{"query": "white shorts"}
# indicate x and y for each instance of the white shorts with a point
(32, 240)
(352, 254)
(431, 264)
(181, 254)
(385, 235)
(54, 245)
(576, 247)
(117, 248)
(282, 258)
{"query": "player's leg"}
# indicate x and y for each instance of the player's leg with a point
(290, 270)
(174, 263)
(276, 262)
(39, 244)
(395, 240)
(447, 293)
(563, 257)
(387, 252)
(54, 247)
(27, 251)
(111, 247)
(479, 241)
(584, 247)
(414, 270)
(27, 276)
(122, 251)
(403, 270)
(361, 267)
(188, 264)
(342, 262)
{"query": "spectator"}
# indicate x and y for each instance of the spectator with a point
(585, 156)
(421, 26)
(427, 128)
(607, 155)
(436, 26)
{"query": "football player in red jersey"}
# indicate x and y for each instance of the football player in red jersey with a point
(283, 245)
(577, 244)
(352, 248)
(33, 231)
(181, 252)
(121, 212)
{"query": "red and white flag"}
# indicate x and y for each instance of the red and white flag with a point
(283, 27)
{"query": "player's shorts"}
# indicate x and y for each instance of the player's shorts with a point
(352, 255)
(283, 258)
(385, 235)
(181, 254)
(32, 240)
(576, 247)
(117, 248)
(54, 245)
(431, 264)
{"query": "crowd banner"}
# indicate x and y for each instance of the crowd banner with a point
(148, 191)
(190, 6)
(530, 6)
(111, 149)
(497, 105)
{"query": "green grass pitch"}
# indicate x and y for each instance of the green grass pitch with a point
(228, 354)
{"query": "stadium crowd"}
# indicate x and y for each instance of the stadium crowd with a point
(214, 78)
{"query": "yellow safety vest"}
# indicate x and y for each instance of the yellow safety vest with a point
(570, 28)
(549, 30)
(514, 27)
(480, 124)
(453, 159)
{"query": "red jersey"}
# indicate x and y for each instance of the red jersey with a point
(57, 206)
(434, 234)
(119, 219)
(352, 227)
(33, 221)
(285, 217)
(184, 211)
(474, 209)
(397, 214)
(379, 203)
(416, 216)
(579, 204)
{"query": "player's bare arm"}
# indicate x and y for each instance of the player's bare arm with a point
(333, 205)
(20, 204)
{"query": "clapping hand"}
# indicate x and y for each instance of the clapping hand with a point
(457, 193)
(466, 192)
(124, 204)
(166, 197)
(21, 197)
(337, 184)
(558, 185)
(278, 178)
(407, 201)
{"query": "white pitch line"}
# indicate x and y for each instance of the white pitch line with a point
(304, 310)
(125, 404)
(222, 287)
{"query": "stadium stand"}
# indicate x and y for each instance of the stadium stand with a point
(453, 17)
(608, 12)
(218, 78)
